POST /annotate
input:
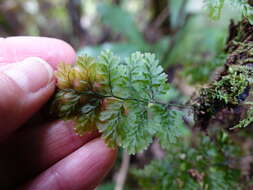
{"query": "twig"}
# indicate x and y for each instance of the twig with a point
(122, 174)
(161, 18)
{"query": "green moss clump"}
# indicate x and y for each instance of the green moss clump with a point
(229, 92)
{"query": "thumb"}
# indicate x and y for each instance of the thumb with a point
(24, 87)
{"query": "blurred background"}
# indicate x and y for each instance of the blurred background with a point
(188, 44)
(173, 29)
(178, 31)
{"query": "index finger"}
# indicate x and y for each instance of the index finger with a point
(53, 51)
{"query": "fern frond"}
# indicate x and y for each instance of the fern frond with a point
(125, 100)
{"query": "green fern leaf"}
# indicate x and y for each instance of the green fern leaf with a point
(127, 101)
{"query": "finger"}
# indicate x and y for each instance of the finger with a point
(25, 86)
(83, 169)
(53, 51)
(32, 150)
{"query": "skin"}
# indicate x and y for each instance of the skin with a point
(37, 154)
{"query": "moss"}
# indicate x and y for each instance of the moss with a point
(230, 91)
(233, 86)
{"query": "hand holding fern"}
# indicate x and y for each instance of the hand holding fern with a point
(48, 154)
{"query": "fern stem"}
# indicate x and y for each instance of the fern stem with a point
(125, 99)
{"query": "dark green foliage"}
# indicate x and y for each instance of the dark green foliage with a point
(203, 165)
(107, 186)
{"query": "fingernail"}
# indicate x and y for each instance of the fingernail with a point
(31, 74)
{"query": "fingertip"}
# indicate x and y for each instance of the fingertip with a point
(61, 52)
(25, 86)
(53, 51)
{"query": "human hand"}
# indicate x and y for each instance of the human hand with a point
(47, 155)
